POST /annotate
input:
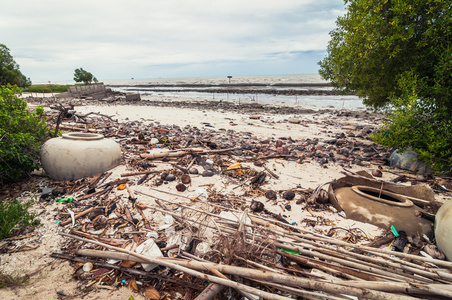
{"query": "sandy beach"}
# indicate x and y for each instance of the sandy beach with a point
(305, 134)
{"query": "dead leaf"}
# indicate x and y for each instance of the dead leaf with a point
(133, 285)
(128, 264)
(141, 205)
(151, 293)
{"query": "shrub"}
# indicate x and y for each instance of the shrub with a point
(46, 88)
(14, 215)
(21, 134)
(12, 280)
(421, 123)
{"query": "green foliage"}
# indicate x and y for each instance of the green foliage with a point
(46, 88)
(378, 40)
(424, 124)
(21, 134)
(12, 280)
(14, 215)
(398, 55)
(86, 77)
(9, 70)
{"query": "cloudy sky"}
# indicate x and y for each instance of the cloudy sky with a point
(119, 39)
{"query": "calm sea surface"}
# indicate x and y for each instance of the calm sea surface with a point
(332, 101)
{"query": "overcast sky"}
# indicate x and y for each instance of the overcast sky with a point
(116, 39)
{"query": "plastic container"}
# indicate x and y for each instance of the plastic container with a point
(408, 160)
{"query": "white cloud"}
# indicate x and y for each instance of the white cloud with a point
(117, 38)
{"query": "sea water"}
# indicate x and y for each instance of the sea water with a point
(320, 101)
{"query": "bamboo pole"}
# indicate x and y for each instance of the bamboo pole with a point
(210, 291)
(188, 266)
(426, 272)
(438, 275)
(183, 153)
(439, 289)
(200, 275)
(384, 253)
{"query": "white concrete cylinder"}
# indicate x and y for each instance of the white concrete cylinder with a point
(443, 229)
(77, 155)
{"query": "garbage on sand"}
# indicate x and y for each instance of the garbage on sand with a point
(244, 241)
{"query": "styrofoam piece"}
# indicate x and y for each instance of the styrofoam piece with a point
(150, 249)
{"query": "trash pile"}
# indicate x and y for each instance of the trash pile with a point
(168, 226)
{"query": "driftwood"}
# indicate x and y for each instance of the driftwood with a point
(115, 182)
(77, 216)
(189, 271)
(383, 267)
(138, 173)
(104, 240)
(187, 266)
(98, 193)
(183, 153)
(210, 291)
(136, 238)
(129, 270)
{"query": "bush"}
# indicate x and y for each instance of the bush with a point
(14, 215)
(12, 280)
(46, 88)
(21, 135)
(421, 123)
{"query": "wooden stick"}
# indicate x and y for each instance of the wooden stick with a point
(273, 174)
(185, 266)
(145, 220)
(372, 262)
(318, 237)
(210, 291)
(77, 216)
(136, 238)
(183, 153)
(131, 195)
(219, 274)
(171, 265)
(115, 182)
(138, 173)
(109, 241)
(98, 193)
(394, 266)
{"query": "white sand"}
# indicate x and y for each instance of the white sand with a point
(55, 275)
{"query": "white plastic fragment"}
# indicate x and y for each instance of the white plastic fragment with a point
(169, 219)
(424, 254)
(180, 240)
(237, 218)
(153, 235)
(150, 249)
(201, 194)
(202, 248)
(72, 216)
